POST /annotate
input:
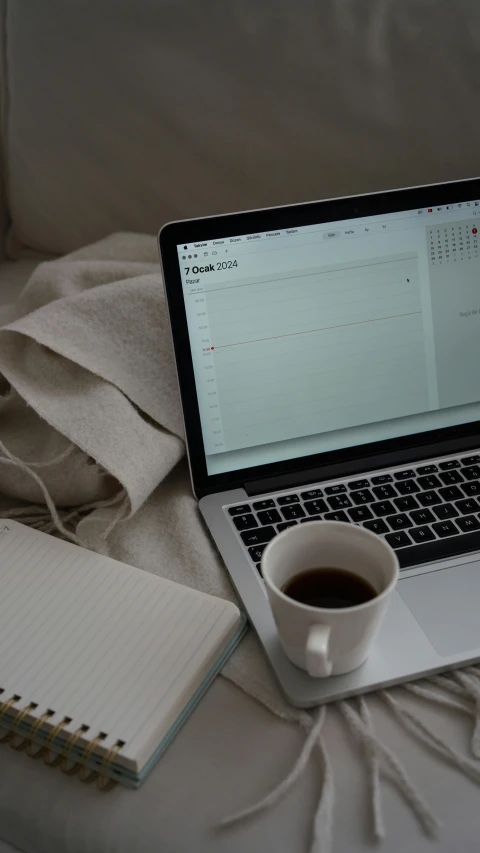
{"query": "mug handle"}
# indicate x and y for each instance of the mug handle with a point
(317, 661)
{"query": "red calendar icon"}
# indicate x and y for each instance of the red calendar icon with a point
(452, 243)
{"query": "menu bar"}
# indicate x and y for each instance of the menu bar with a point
(244, 238)
(332, 230)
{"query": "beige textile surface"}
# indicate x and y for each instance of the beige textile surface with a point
(84, 346)
(125, 115)
(88, 372)
(229, 753)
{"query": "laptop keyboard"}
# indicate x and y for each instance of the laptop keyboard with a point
(426, 512)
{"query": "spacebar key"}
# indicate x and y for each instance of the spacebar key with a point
(440, 549)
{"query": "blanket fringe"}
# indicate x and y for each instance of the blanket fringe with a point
(365, 735)
(360, 724)
(46, 464)
(417, 727)
(465, 685)
(446, 681)
(279, 792)
(426, 692)
(323, 821)
(48, 518)
(469, 680)
(373, 764)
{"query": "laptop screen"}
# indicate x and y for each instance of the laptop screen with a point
(318, 338)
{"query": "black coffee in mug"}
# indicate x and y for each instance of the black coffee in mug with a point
(329, 588)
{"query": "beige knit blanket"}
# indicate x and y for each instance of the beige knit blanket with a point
(91, 448)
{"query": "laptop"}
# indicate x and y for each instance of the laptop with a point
(328, 359)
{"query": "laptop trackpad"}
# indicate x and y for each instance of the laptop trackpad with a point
(445, 603)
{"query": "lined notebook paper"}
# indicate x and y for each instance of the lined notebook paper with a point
(118, 653)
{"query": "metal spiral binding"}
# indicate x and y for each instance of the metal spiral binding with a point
(4, 707)
(39, 751)
(18, 722)
(104, 783)
(64, 758)
(53, 734)
(70, 771)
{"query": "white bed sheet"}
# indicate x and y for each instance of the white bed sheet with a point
(228, 755)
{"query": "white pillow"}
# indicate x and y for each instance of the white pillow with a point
(124, 115)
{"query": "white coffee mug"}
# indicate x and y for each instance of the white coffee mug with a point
(320, 640)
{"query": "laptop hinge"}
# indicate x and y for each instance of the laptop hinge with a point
(352, 467)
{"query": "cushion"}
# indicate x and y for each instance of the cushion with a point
(125, 115)
(13, 277)
(3, 200)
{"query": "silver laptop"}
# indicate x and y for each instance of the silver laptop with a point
(328, 357)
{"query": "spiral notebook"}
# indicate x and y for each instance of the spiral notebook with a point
(100, 663)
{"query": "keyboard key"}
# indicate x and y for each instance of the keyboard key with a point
(422, 534)
(429, 482)
(399, 522)
(403, 504)
(471, 488)
(422, 516)
(383, 508)
(427, 469)
(312, 518)
(259, 568)
(339, 501)
(440, 549)
(258, 536)
(445, 511)
(293, 511)
(358, 484)
(467, 506)
(266, 504)
(311, 494)
(336, 516)
(398, 540)
(288, 499)
(404, 475)
(381, 479)
(384, 492)
(360, 513)
(335, 490)
(451, 478)
(429, 498)
(445, 528)
(239, 510)
(449, 464)
(406, 487)
(269, 516)
(450, 493)
(376, 526)
(472, 473)
(363, 496)
(285, 524)
(256, 552)
(243, 522)
(468, 523)
(471, 460)
(314, 507)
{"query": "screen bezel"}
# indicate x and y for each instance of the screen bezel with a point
(291, 216)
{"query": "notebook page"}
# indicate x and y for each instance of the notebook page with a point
(116, 649)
